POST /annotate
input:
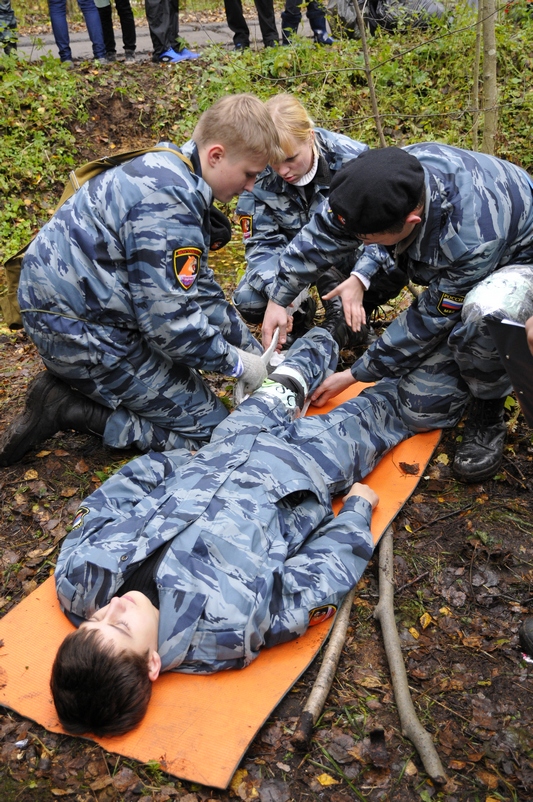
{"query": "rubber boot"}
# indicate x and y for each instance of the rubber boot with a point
(480, 453)
(335, 321)
(51, 406)
(526, 636)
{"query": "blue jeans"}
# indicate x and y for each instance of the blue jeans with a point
(58, 18)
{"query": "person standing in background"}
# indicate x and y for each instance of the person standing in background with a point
(58, 17)
(291, 17)
(237, 24)
(8, 27)
(163, 21)
(127, 25)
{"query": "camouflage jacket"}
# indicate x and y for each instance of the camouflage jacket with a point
(254, 552)
(478, 217)
(126, 258)
(275, 211)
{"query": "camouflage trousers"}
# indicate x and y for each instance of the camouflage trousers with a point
(507, 293)
(157, 404)
(346, 443)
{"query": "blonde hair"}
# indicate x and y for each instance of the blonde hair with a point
(291, 120)
(242, 124)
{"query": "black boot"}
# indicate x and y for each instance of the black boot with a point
(526, 636)
(480, 453)
(51, 406)
(302, 320)
(334, 321)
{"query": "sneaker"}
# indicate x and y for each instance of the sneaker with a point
(188, 54)
(240, 46)
(169, 57)
(129, 56)
(480, 453)
(111, 55)
(323, 38)
(102, 60)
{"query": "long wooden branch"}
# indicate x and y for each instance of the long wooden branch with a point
(369, 78)
(384, 613)
(325, 677)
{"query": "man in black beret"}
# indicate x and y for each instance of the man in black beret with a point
(449, 218)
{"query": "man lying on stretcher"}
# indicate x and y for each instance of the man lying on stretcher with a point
(194, 563)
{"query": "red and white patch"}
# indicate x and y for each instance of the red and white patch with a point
(245, 222)
(186, 265)
(320, 614)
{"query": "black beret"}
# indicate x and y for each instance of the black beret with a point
(376, 190)
(220, 229)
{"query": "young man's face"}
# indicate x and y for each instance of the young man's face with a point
(130, 622)
(228, 175)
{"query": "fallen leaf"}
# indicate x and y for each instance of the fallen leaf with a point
(414, 632)
(457, 765)
(32, 474)
(326, 779)
(68, 492)
(488, 779)
(425, 620)
(443, 459)
(411, 469)
(42, 454)
(410, 769)
(237, 779)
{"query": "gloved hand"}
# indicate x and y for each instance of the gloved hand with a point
(255, 371)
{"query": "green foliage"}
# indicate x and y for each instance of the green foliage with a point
(423, 82)
(36, 144)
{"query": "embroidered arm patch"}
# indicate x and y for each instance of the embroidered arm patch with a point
(186, 265)
(245, 222)
(449, 304)
(320, 614)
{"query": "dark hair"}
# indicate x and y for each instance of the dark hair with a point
(96, 688)
(395, 228)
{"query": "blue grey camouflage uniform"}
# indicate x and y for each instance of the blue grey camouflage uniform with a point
(275, 211)
(117, 295)
(478, 217)
(254, 546)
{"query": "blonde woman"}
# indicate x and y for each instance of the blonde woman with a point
(284, 198)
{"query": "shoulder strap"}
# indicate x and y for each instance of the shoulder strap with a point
(78, 177)
(89, 170)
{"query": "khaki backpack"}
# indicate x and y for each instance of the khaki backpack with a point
(8, 302)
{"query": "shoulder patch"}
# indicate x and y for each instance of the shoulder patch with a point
(320, 614)
(449, 304)
(78, 518)
(245, 222)
(186, 265)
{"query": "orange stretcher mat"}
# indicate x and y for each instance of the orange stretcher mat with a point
(197, 727)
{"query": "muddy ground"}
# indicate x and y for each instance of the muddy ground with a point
(464, 582)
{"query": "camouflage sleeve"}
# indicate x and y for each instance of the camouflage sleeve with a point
(223, 316)
(264, 239)
(166, 253)
(317, 578)
(417, 331)
(317, 247)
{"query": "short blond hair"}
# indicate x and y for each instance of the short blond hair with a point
(242, 124)
(291, 120)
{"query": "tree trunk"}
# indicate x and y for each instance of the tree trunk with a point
(490, 87)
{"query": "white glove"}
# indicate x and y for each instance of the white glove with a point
(255, 371)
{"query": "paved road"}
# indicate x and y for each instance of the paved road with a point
(197, 35)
